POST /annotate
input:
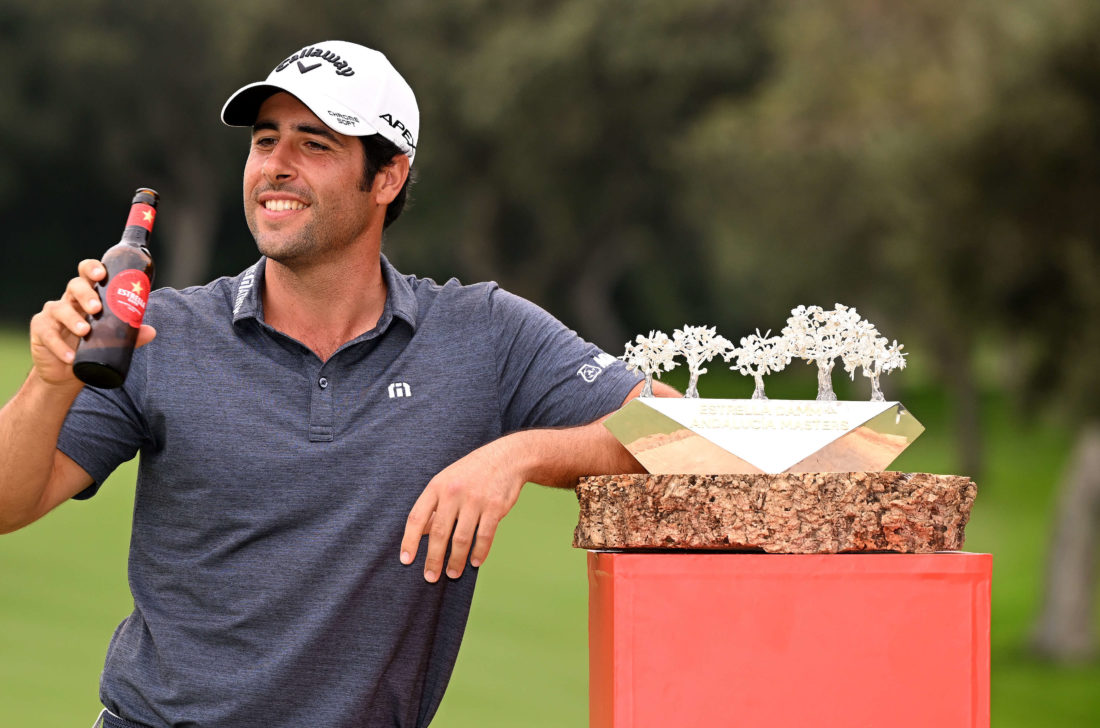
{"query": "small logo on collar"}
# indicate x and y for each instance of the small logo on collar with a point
(247, 282)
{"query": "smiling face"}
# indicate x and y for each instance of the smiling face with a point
(303, 194)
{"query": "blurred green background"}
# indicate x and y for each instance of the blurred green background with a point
(629, 165)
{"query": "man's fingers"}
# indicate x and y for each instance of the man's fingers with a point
(461, 541)
(83, 296)
(145, 334)
(417, 524)
(91, 269)
(46, 334)
(67, 316)
(57, 327)
(439, 535)
(486, 530)
(469, 497)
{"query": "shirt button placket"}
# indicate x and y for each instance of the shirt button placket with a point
(321, 426)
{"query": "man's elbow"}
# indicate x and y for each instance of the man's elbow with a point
(11, 521)
(660, 389)
(15, 515)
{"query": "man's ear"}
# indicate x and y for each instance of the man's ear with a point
(390, 179)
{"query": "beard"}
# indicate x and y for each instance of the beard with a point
(285, 246)
(295, 243)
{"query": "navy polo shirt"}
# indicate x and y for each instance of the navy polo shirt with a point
(273, 490)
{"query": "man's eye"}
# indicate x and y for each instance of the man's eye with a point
(263, 142)
(316, 145)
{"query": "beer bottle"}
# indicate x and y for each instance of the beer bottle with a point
(103, 354)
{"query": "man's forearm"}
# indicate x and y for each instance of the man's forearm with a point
(558, 457)
(465, 501)
(29, 427)
(472, 494)
(34, 475)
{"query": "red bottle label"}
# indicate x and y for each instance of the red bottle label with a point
(142, 215)
(127, 294)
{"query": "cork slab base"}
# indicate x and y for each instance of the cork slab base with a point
(790, 513)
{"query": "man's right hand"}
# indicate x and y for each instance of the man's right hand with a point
(56, 329)
(35, 477)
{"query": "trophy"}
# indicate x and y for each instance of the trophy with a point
(761, 435)
(803, 479)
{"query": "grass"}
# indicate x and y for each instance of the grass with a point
(524, 659)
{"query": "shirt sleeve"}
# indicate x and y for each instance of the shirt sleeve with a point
(548, 375)
(105, 427)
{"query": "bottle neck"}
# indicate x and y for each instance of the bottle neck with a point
(139, 224)
(135, 235)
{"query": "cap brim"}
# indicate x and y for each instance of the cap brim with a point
(243, 106)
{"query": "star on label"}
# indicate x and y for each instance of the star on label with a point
(148, 214)
(136, 287)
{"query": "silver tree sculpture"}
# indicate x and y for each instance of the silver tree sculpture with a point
(698, 345)
(650, 355)
(759, 356)
(820, 336)
(881, 358)
(860, 348)
(874, 353)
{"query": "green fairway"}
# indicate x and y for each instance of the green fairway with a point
(524, 660)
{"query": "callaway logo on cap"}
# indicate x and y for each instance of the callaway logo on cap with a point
(353, 89)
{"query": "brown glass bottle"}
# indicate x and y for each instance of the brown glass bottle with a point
(103, 355)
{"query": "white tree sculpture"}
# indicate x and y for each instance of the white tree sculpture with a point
(878, 357)
(820, 336)
(861, 347)
(698, 345)
(650, 355)
(758, 356)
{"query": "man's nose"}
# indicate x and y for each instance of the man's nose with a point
(279, 166)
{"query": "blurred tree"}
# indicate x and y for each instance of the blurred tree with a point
(942, 165)
(839, 174)
(105, 95)
(552, 131)
(548, 128)
(1033, 167)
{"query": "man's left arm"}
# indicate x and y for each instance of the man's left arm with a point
(463, 504)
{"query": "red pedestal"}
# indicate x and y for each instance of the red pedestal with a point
(777, 640)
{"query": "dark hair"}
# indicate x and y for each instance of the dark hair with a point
(379, 153)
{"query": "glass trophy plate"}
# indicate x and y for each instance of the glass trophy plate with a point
(716, 436)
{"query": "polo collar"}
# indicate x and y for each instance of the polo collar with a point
(400, 299)
(246, 288)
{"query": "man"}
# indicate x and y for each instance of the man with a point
(301, 427)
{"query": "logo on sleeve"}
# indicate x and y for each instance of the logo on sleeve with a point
(605, 360)
(589, 372)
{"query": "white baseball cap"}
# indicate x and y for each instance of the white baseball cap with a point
(354, 90)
